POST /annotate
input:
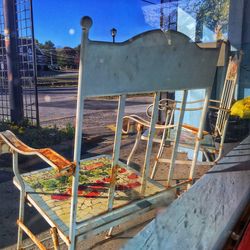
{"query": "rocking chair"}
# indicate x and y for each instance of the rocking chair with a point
(165, 134)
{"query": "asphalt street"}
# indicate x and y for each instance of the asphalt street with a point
(56, 104)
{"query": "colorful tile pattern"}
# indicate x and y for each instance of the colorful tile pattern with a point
(94, 181)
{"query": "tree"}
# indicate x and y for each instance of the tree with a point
(49, 50)
(66, 57)
(210, 13)
(77, 57)
(47, 45)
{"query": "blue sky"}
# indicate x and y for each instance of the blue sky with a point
(55, 19)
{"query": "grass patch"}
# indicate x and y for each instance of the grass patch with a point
(57, 80)
(39, 137)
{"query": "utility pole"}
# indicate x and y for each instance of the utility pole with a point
(51, 59)
(35, 63)
(165, 95)
(11, 46)
(161, 16)
(113, 34)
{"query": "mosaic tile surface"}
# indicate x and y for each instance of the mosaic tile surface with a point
(94, 181)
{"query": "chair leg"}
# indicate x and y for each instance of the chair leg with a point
(137, 140)
(109, 234)
(177, 138)
(21, 218)
(31, 236)
(210, 157)
(162, 145)
(21, 200)
(54, 235)
(159, 154)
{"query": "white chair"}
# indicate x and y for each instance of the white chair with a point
(165, 134)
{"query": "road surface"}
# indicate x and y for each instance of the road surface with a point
(57, 104)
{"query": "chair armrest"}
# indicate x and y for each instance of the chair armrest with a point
(197, 101)
(4, 148)
(164, 104)
(55, 160)
(169, 104)
(141, 122)
(220, 108)
(193, 129)
(174, 101)
(61, 164)
(218, 102)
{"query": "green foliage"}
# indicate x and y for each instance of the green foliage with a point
(49, 184)
(69, 130)
(49, 50)
(78, 49)
(36, 185)
(211, 12)
(214, 12)
(38, 137)
(68, 57)
(47, 45)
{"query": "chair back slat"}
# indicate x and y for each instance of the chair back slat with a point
(227, 96)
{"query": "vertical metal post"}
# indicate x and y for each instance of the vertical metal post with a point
(34, 63)
(162, 95)
(116, 150)
(22, 198)
(11, 45)
(51, 59)
(86, 23)
(177, 137)
(113, 34)
(146, 166)
(161, 16)
(116, 154)
(167, 95)
(199, 136)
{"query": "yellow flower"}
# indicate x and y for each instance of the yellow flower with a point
(241, 108)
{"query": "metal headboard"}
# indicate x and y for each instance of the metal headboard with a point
(152, 61)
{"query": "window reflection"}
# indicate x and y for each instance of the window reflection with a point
(202, 20)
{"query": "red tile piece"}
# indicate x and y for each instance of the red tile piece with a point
(60, 197)
(94, 165)
(133, 176)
